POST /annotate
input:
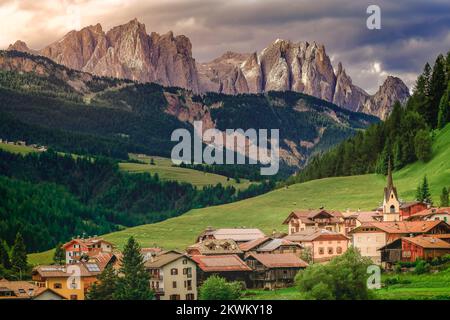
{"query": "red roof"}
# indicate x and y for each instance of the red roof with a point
(220, 263)
(403, 227)
(279, 260)
(247, 246)
(308, 216)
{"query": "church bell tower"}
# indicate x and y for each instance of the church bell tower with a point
(391, 204)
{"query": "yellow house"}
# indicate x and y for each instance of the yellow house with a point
(70, 281)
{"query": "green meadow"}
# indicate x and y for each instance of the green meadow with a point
(268, 211)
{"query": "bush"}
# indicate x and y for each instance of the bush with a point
(422, 267)
(395, 280)
(217, 288)
(343, 278)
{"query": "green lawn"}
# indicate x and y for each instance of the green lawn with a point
(269, 210)
(427, 286)
(16, 149)
(166, 171)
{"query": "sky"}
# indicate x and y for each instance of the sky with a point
(412, 32)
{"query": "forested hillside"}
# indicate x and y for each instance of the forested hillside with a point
(405, 137)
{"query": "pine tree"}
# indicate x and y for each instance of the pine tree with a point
(444, 108)
(4, 255)
(59, 257)
(419, 193)
(426, 195)
(445, 197)
(19, 254)
(134, 283)
(105, 287)
(422, 145)
(438, 86)
(398, 157)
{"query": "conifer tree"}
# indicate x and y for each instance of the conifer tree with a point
(438, 85)
(4, 255)
(105, 287)
(59, 257)
(19, 254)
(426, 195)
(134, 280)
(444, 108)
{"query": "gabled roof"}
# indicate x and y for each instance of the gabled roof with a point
(87, 269)
(236, 234)
(428, 242)
(308, 216)
(165, 258)
(275, 244)
(429, 212)
(390, 184)
(279, 260)
(250, 245)
(402, 227)
(220, 263)
(315, 234)
(86, 241)
(405, 205)
(215, 246)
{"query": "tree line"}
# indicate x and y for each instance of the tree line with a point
(405, 137)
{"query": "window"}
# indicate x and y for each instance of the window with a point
(187, 272)
(185, 261)
(174, 284)
(174, 271)
(188, 284)
(392, 209)
(73, 297)
(338, 250)
(190, 296)
(330, 250)
(321, 251)
(57, 286)
(175, 297)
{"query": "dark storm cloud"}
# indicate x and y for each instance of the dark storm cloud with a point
(413, 31)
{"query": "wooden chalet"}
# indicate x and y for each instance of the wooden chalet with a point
(229, 266)
(276, 270)
(270, 246)
(298, 221)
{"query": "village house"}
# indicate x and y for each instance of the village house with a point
(229, 266)
(299, 221)
(214, 247)
(70, 281)
(78, 247)
(237, 234)
(23, 290)
(370, 237)
(272, 271)
(173, 276)
(409, 249)
(431, 214)
(149, 253)
(353, 220)
(322, 244)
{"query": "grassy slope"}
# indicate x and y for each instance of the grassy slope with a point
(16, 149)
(269, 210)
(163, 167)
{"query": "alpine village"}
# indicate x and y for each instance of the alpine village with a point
(94, 209)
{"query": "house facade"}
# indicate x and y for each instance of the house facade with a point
(299, 221)
(79, 247)
(272, 271)
(322, 244)
(173, 276)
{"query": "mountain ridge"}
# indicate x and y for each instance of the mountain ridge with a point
(127, 51)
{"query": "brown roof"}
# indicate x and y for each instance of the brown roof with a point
(429, 212)
(279, 260)
(164, 258)
(315, 234)
(275, 244)
(308, 216)
(221, 263)
(151, 250)
(86, 241)
(238, 234)
(428, 242)
(400, 227)
(215, 246)
(440, 236)
(22, 289)
(405, 205)
(368, 216)
(249, 245)
(87, 269)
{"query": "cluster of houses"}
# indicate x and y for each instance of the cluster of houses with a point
(396, 231)
(38, 148)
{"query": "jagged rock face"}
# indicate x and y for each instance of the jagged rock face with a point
(380, 104)
(126, 51)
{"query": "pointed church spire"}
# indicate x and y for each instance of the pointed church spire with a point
(390, 182)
